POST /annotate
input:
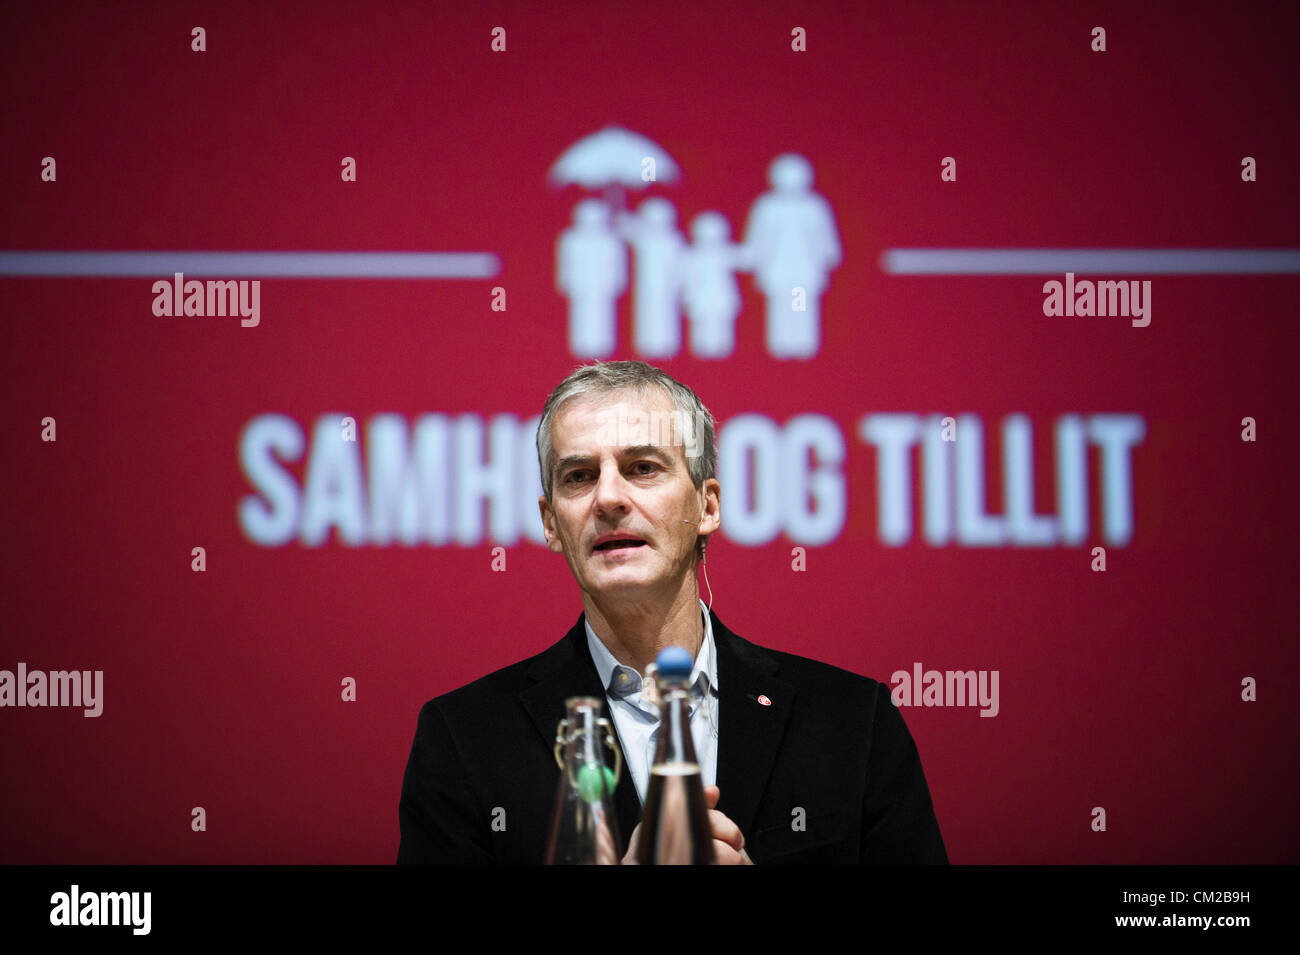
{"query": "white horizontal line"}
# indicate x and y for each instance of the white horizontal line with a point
(325, 265)
(1098, 261)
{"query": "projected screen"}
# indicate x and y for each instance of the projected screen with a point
(994, 309)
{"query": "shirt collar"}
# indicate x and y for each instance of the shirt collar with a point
(704, 674)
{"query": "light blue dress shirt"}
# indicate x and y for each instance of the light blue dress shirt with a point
(637, 719)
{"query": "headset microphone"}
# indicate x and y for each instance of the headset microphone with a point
(710, 586)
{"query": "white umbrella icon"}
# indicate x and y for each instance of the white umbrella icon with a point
(612, 158)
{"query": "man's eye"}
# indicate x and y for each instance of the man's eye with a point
(642, 467)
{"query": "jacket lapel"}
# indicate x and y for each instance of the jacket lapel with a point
(749, 731)
(566, 670)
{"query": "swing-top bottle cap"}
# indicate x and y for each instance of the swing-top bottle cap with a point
(674, 663)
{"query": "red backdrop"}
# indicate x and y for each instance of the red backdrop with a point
(221, 689)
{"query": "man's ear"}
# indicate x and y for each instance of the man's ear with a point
(713, 501)
(548, 526)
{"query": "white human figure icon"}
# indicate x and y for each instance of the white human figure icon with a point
(657, 247)
(791, 242)
(710, 293)
(591, 269)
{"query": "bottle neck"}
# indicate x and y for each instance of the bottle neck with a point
(675, 742)
(582, 745)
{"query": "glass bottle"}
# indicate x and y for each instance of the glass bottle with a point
(584, 825)
(675, 826)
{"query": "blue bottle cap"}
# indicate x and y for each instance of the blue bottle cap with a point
(674, 663)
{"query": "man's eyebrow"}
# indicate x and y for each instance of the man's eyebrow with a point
(647, 451)
(633, 451)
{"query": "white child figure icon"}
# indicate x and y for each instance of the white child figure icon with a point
(709, 289)
(658, 246)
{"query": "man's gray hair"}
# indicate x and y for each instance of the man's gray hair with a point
(694, 422)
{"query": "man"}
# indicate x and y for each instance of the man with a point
(803, 762)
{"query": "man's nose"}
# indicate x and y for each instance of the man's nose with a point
(611, 491)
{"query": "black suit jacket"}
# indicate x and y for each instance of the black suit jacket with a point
(831, 751)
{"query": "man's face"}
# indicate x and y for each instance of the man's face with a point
(622, 495)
